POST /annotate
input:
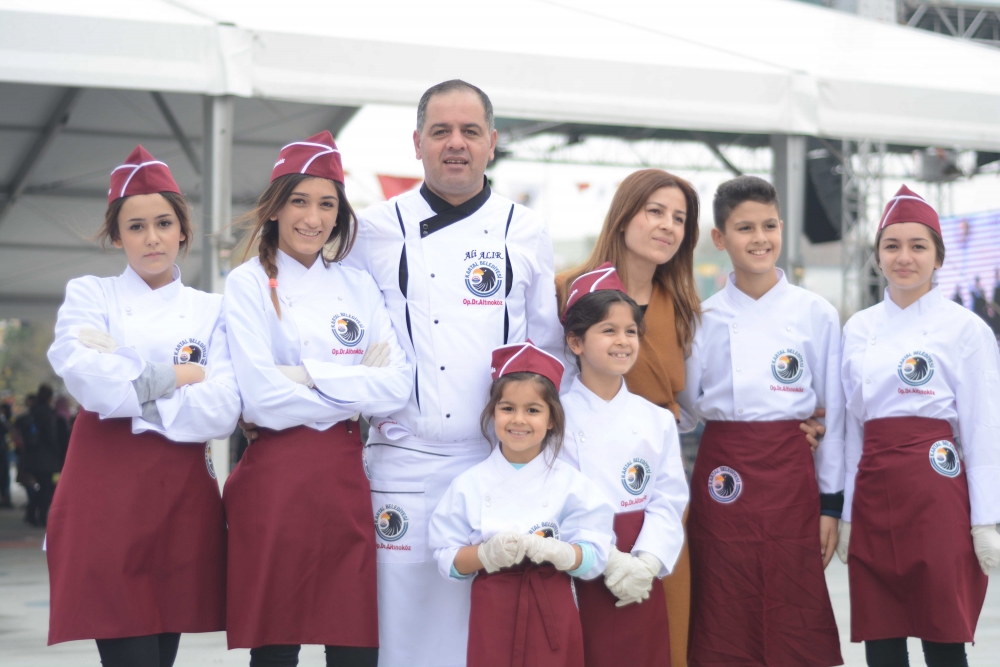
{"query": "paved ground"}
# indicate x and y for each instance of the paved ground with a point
(24, 611)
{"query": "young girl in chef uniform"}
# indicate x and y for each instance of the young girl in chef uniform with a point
(523, 502)
(312, 346)
(630, 449)
(922, 494)
(136, 537)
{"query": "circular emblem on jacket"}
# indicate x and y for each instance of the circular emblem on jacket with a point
(191, 351)
(635, 476)
(724, 485)
(944, 459)
(787, 366)
(208, 461)
(545, 529)
(347, 329)
(916, 368)
(483, 279)
(391, 522)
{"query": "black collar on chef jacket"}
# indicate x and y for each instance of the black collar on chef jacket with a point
(447, 214)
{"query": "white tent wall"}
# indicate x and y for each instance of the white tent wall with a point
(766, 67)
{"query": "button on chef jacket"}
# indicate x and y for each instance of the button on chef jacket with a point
(494, 497)
(329, 317)
(629, 448)
(961, 385)
(459, 281)
(175, 324)
(770, 359)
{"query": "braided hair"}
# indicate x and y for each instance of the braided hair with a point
(263, 220)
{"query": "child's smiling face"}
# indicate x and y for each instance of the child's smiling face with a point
(521, 420)
(610, 347)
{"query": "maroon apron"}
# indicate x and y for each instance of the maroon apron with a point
(758, 593)
(636, 633)
(524, 616)
(912, 568)
(136, 540)
(301, 541)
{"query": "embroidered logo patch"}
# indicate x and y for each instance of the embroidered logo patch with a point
(347, 329)
(545, 529)
(724, 485)
(944, 459)
(483, 279)
(787, 366)
(208, 461)
(191, 351)
(635, 476)
(916, 368)
(391, 522)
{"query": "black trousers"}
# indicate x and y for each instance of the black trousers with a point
(282, 655)
(892, 653)
(148, 651)
(46, 489)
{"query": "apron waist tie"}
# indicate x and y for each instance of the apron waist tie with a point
(531, 583)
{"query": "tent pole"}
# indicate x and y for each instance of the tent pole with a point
(789, 177)
(217, 210)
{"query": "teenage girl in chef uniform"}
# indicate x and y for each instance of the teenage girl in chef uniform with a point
(136, 537)
(522, 502)
(922, 494)
(629, 447)
(313, 346)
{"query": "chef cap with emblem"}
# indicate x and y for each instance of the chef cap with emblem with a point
(908, 206)
(526, 358)
(603, 277)
(142, 174)
(316, 156)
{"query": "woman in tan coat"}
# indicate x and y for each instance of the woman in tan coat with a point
(650, 234)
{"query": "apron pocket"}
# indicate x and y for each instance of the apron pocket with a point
(400, 521)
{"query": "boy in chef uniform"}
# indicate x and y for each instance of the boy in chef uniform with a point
(764, 357)
(137, 534)
(523, 502)
(922, 379)
(630, 449)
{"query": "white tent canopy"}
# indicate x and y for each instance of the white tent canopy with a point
(766, 66)
(289, 69)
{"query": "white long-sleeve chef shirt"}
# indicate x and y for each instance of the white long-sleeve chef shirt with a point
(770, 359)
(629, 448)
(550, 498)
(174, 324)
(329, 316)
(459, 281)
(957, 379)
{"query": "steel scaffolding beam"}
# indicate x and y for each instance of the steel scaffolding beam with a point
(861, 189)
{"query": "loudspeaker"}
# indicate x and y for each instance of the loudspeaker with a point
(823, 193)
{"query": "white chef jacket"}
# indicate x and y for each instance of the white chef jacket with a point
(494, 497)
(329, 317)
(770, 359)
(629, 448)
(961, 385)
(175, 324)
(458, 282)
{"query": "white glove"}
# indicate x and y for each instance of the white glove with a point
(501, 550)
(550, 550)
(845, 538)
(97, 340)
(632, 577)
(377, 355)
(297, 374)
(986, 543)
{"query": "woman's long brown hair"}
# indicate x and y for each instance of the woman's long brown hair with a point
(263, 223)
(677, 275)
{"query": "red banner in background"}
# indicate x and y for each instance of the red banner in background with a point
(397, 185)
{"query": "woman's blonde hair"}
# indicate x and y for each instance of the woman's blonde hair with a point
(675, 276)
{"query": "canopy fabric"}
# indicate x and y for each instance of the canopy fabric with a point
(760, 66)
